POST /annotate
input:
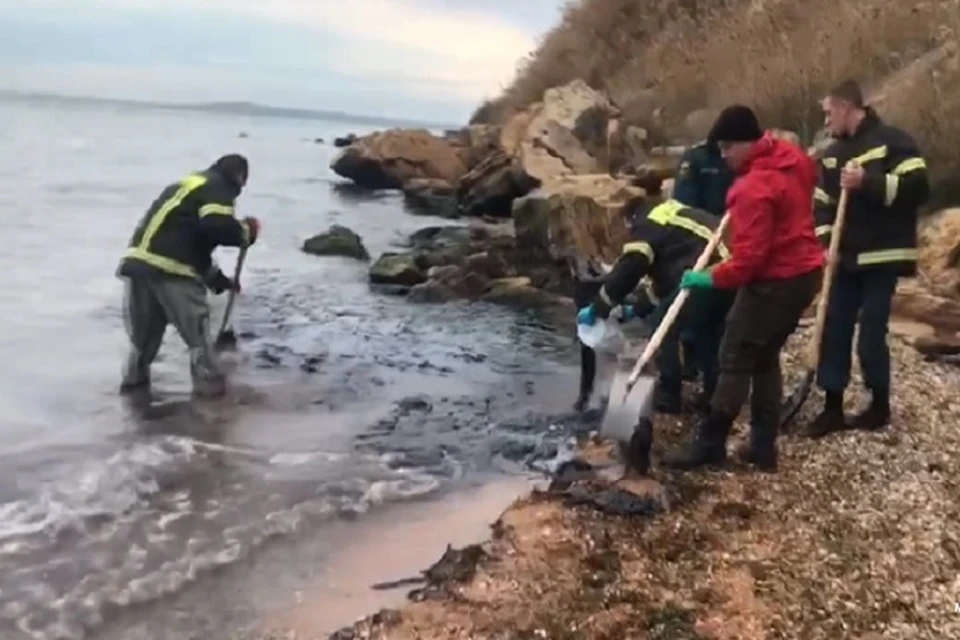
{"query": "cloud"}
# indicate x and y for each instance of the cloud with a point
(447, 52)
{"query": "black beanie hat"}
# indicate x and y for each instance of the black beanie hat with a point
(736, 123)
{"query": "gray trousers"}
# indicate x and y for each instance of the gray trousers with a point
(152, 302)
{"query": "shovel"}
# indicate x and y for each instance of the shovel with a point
(625, 411)
(225, 339)
(796, 399)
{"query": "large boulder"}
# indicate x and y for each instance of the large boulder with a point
(475, 142)
(914, 301)
(568, 220)
(432, 197)
(491, 187)
(389, 159)
(939, 252)
(568, 133)
(400, 269)
(336, 241)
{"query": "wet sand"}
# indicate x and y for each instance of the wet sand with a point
(396, 543)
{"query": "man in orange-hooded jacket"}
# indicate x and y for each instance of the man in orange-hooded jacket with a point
(775, 264)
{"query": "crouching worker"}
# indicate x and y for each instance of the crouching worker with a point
(169, 265)
(666, 239)
(775, 266)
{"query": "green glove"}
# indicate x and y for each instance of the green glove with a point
(696, 280)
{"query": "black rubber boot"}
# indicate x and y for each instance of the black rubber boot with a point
(760, 450)
(831, 419)
(874, 417)
(708, 448)
(636, 453)
(666, 400)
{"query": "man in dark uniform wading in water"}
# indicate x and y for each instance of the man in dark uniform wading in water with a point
(169, 264)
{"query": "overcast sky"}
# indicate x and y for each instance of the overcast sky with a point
(427, 59)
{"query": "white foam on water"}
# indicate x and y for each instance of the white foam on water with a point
(169, 544)
(102, 488)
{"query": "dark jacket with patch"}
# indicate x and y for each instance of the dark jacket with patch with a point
(666, 240)
(703, 179)
(183, 226)
(880, 228)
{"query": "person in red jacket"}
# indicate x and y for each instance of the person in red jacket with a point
(776, 264)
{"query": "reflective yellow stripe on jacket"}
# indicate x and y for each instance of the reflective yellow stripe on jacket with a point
(670, 213)
(893, 178)
(639, 247)
(142, 251)
(885, 256)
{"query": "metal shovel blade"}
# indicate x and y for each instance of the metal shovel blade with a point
(624, 411)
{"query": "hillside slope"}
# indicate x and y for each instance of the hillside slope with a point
(661, 60)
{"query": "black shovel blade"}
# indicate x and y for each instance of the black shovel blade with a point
(794, 402)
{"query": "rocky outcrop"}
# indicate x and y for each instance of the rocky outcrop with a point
(939, 252)
(491, 187)
(399, 269)
(442, 263)
(914, 301)
(336, 241)
(432, 197)
(345, 141)
(565, 134)
(570, 219)
(390, 159)
(933, 297)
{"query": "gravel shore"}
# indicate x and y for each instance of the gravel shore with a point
(857, 536)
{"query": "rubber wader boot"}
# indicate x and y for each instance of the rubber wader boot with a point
(831, 419)
(708, 447)
(135, 376)
(874, 417)
(207, 380)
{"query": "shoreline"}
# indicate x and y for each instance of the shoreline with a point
(857, 536)
(392, 546)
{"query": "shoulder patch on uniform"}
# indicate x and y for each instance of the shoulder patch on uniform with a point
(829, 162)
(683, 171)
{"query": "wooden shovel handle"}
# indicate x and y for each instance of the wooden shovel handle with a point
(232, 296)
(671, 315)
(836, 231)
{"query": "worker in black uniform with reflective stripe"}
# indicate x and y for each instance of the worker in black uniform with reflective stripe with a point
(702, 181)
(169, 265)
(888, 184)
(666, 239)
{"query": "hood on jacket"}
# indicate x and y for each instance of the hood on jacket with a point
(773, 154)
(233, 168)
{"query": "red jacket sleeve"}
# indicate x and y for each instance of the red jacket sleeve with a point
(751, 230)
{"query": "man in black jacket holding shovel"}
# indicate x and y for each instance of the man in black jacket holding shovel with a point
(887, 183)
(168, 266)
(666, 239)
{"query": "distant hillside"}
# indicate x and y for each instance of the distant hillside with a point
(233, 108)
(661, 60)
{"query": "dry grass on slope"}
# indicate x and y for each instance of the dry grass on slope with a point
(779, 56)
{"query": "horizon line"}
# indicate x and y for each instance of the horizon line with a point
(231, 106)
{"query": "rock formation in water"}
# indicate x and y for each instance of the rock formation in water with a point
(336, 241)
